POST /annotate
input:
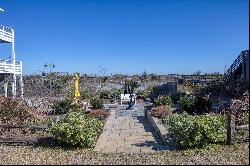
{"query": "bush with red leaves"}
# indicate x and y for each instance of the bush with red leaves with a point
(16, 112)
(99, 114)
(161, 111)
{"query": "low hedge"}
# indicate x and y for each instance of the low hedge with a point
(78, 130)
(196, 131)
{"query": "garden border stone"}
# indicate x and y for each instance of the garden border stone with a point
(157, 126)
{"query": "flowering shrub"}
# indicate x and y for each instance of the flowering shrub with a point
(77, 130)
(196, 131)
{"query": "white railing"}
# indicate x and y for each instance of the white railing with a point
(18, 68)
(6, 34)
(6, 66)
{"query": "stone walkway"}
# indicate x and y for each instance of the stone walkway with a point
(129, 132)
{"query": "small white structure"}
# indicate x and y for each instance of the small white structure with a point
(126, 98)
(10, 68)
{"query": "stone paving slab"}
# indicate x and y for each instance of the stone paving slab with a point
(127, 131)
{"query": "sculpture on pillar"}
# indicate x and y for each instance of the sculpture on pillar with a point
(76, 84)
(130, 91)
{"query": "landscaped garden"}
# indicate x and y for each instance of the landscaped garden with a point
(68, 131)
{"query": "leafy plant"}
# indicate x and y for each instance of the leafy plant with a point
(141, 94)
(96, 103)
(134, 85)
(195, 104)
(77, 130)
(196, 131)
(187, 104)
(105, 94)
(117, 93)
(62, 106)
(87, 94)
(163, 100)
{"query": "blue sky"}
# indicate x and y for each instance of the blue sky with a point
(127, 36)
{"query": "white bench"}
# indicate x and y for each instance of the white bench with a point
(126, 98)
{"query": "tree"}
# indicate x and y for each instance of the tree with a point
(198, 72)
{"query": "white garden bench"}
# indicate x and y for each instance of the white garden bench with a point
(126, 98)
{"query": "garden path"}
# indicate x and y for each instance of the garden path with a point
(127, 131)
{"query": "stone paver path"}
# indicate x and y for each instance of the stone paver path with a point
(128, 131)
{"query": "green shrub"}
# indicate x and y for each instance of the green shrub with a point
(88, 93)
(62, 106)
(117, 93)
(195, 105)
(245, 118)
(77, 130)
(105, 94)
(141, 94)
(196, 131)
(187, 104)
(163, 100)
(96, 103)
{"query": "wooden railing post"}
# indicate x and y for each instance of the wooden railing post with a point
(230, 128)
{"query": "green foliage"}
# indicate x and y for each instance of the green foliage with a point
(96, 103)
(196, 131)
(105, 94)
(187, 103)
(195, 105)
(141, 94)
(163, 100)
(116, 93)
(87, 94)
(245, 117)
(62, 106)
(77, 130)
(133, 85)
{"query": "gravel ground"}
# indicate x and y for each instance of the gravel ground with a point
(219, 155)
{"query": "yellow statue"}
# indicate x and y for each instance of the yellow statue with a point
(76, 90)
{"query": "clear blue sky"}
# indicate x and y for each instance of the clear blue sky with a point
(127, 36)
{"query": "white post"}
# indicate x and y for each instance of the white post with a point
(5, 88)
(14, 65)
(21, 85)
(121, 99)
